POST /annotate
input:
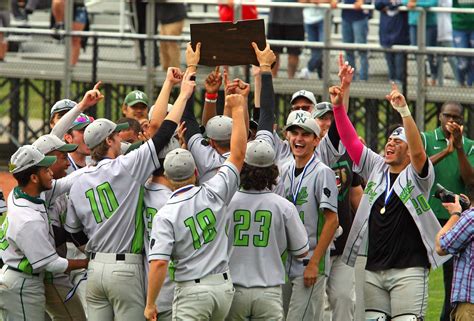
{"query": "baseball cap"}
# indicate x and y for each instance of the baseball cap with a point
(179, 164)
(28, 156)
(126, 147)
(48, 143)
(62, 105)
(219, 128)
(303, 93)
(302, 119)
(321, 109)
(136, 97)
(81, 121)
(99, 130)
(399, 133)
(150, 112)
(259, 154)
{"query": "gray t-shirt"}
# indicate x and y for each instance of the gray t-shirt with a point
(190, 228)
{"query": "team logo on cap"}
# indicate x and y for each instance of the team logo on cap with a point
(300, 118)
(398, 131)
(11, 167)
(138, 95)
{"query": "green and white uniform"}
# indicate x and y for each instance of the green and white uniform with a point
(264, 227)
(190, 231)
(156, 196)
(107, 204)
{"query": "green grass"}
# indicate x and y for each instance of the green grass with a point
(435, 295)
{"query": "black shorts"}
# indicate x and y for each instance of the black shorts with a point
(286, 32)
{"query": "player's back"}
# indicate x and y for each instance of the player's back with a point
(262, 226)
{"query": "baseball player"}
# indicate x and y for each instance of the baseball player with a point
(190, 231)
(394, 212)
(107, 204)
(59, 109)
(27, 238)
(263, 228)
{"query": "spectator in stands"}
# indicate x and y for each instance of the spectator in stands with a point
(463, 36)
(171, 18)
(452, 156)
(21, 9)
(286, 24)
(226, 12)
(355, 27)
(314, 27)
(138, 25)
(457, 238)
(129, 135)
(393, 30)
(80, 23)
(4, 22)
(431, 30)
(445, 39)
(136, 105)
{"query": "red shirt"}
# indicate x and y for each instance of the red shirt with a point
(226, 13)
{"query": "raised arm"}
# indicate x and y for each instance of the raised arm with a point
(266, 58)
(238, 140)
(212, 84)
(467, 172)
(415, 145)
(91, 98)
(346, 130)
(173, 77)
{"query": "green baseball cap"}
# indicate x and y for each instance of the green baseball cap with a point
(136, 97)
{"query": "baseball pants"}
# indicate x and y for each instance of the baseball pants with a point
(397, 291)
(115, 287)
(57, 309)
(361, 261)
(21, 296)
(256, 304)
(340, 290)
(307, 304)
(165, 315)
(208, 298)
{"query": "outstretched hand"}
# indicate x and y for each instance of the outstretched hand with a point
(337, 93)
(213, 81)
(236, 86)
(92, 97)
(265, 57)
(188, 85)
(174, 75)
(346, 71)
(396, 98)
(193, 56)
(234, 101)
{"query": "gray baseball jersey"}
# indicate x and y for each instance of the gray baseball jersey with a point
(263, 226)
(190, 228)
(156, 196)
(412, 190)
(312, 191)
(107, 202)
(208, 160)
(26, 237)
(3, 204)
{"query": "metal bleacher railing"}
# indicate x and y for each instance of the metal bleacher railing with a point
(111, 58)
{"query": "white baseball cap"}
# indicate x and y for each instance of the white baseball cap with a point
(259, 154)
(62, 105)
(219, 128)
(303, 93)
(28, 156)
(99, 130)
(302, 119)
(48, 143)
(179, 164)
(321, 109)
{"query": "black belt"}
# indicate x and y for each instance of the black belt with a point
(20, 271)
(118, 256)
(223, 274)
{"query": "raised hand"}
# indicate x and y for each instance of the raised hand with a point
(265, 57)
(181, 130)
(213, 81)
(456, 134)
(346, 71)
(193, 56)
(188, 85)
(92, 97)
(337, 93)
(396, 98)
(234, 101)
(174, 75)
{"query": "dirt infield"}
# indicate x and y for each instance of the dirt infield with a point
(7, 182)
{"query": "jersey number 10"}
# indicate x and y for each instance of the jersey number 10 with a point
(108, 201)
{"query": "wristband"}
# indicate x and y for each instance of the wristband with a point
(265, 65)
(456, 213)
(211, 96)
(192, 65)
(403, 111)
(211, 101)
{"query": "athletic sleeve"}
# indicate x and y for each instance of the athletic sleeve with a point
(162, 239)
(460, 235)
(325, 188)
(72, 223)
(65, 123)
(33, 240)
(206, 158)
(369, 160)
(141, 162)
(298, 242)
(192, 126)
(267, 101)
(224, 184)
